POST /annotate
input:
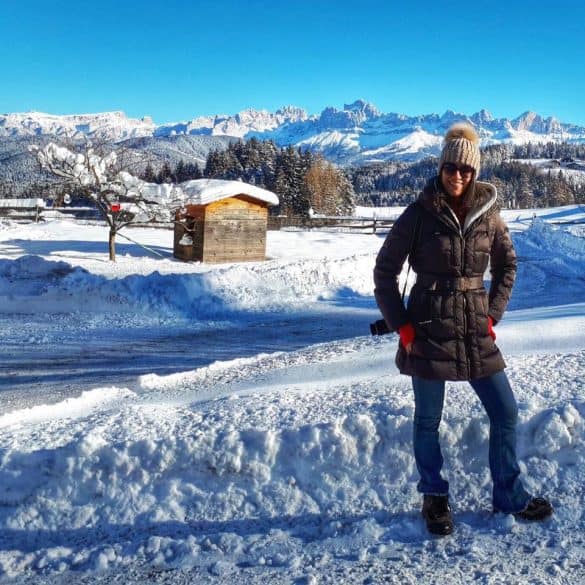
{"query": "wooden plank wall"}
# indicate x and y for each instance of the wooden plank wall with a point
(235, 231)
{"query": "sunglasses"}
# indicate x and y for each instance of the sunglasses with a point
(464, 170)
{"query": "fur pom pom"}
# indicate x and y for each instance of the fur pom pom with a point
(462, 130)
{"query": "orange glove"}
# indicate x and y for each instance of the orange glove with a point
(407, 336)
(491, 328)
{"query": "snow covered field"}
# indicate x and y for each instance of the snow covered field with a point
(178, 423)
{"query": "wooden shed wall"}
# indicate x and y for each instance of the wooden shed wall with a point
(235, 231)
(229, 230)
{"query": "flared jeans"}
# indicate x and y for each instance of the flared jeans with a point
(496, 395)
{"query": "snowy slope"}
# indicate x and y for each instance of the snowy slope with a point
(282, 467)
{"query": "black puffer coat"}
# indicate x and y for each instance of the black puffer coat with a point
(449, 314)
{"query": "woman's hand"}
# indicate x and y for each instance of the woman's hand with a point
(407, 336)
(491, 328)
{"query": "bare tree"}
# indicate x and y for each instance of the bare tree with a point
(102, 177)
(330, 192)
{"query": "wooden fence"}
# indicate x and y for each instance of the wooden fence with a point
(22, 209)
(349, 223)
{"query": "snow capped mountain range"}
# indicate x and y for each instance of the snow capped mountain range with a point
(356, 134)
(109, 126)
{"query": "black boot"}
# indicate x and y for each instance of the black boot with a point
(536, 509)
(437, 514)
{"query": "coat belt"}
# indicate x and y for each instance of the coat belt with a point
(462, 283)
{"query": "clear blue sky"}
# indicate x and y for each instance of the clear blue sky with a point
(178, 59)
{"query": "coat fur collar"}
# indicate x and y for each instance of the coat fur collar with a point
(482, 197)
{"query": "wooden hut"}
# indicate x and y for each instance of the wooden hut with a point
(222, 221)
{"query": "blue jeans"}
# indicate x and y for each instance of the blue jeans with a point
(496, 395)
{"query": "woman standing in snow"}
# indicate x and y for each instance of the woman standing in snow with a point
(446, 331)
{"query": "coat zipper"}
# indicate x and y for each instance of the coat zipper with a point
(468, 363)
(461, 235)
(467, 360)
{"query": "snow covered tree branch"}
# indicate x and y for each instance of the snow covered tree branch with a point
(118, 195)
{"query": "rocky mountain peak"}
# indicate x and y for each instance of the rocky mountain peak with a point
(533, 122)
(482, 117)
(361, 106)
(292, 113)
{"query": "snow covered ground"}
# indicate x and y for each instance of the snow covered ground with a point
(167, 422)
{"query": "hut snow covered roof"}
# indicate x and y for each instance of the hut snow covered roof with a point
(204, 191)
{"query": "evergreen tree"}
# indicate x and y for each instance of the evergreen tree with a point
(524, 195)
(149, 175)
(165, 175)
(179, 174)
(192, 171)
(214, 165)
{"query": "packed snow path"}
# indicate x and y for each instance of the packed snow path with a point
(46, 359)
(283, 466)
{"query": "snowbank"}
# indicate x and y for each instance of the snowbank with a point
(552, 261)
(551, 267)
(31, 284)
(258, 471)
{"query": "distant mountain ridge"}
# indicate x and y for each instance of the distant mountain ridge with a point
(357, 134)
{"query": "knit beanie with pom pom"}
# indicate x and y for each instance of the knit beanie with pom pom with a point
(461, 146)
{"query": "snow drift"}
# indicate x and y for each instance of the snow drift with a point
(551, 260)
